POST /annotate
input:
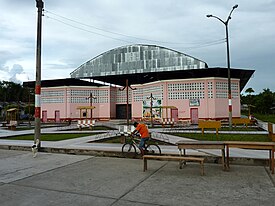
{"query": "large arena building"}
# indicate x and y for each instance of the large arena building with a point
(168, 83)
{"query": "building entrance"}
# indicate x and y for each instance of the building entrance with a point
(44, 116)
(194, 113)
(121, 111)
(57, 116)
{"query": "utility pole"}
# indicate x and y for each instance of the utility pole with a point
(151, 108)
(91, 97)
(127, 86)
(29, 107)
(228, 61)
(37, 130)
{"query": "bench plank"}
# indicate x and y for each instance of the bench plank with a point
(176, 158)
(252, 145)
(183, 145)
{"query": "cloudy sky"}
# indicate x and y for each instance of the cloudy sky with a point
(76, 31)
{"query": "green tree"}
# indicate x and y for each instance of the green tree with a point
(264, 101)
(249, 99)
(12, 95)
(249, 91)
(10, 91)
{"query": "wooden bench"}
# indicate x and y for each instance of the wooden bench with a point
(85, 123)
(4, 124)
(12, 125)
(271, 131)
(168, 121)
(252, 145)
(210, 125)
(182, 160)
(183, 145)
(241, 121)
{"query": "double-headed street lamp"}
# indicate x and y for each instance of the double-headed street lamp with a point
(127, 86)
(228, 61)
(151, 108)
(91, 97)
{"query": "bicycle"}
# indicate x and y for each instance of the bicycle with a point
(132, 147)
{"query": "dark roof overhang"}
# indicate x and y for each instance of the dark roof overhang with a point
(141, 78)
(61, 82)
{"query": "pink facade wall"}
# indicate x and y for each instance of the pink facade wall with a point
(112, 97)
(207, 95)
(72, 97)
(210, 107)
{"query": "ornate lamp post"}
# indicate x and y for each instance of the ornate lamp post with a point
(228, 61)
(91, 97)
(127, 86)
(151, 108)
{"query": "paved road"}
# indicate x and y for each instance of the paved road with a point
(84, 143)
(61, 179)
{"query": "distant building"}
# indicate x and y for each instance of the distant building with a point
(178, 82)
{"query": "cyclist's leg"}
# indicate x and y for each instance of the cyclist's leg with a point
(142, 144)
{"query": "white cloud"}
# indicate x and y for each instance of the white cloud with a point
(15, 74)
(4, 76)
(64, 48)
(22, 77)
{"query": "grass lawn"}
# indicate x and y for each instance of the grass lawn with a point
(84, 129)
(226, 137)
(238, 128)
(118, 140)
(51, 137)
(266, 117)
(93, 128)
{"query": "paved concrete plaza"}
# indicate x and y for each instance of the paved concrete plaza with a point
(62, 179)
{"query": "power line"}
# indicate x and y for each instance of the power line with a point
(196, 44)
(76, 27)
(205, 45)
(107, 31)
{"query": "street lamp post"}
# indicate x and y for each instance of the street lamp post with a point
(127, 86)
(228, 61)
(91, 97)
(151, 108)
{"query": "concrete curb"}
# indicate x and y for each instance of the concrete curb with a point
(101, 153)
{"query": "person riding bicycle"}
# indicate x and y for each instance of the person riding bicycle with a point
(144, 133)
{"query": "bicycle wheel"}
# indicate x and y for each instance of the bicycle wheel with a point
(128, 149)
(153, 149)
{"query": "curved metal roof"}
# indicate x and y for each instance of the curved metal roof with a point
(137, 58)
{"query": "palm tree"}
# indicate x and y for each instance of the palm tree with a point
(249, 91)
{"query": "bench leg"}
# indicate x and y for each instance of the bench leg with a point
(223, 159)
(144, 165)
(184, 154)
(202, 168)
(272, 160)
(227, 158)
(181, 163)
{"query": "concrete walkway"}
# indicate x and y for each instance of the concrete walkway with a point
(86, 143)
(62, 179)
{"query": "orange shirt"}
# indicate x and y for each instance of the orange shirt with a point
(143, 130)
